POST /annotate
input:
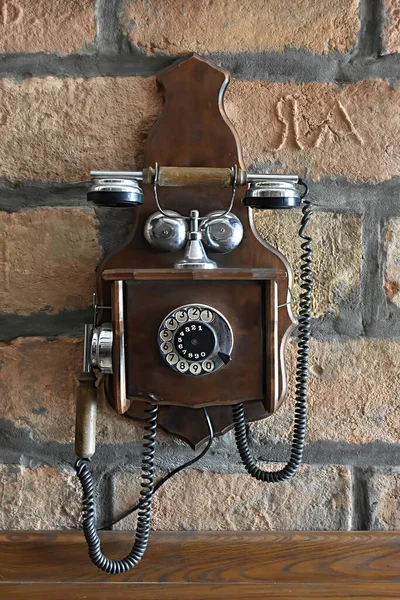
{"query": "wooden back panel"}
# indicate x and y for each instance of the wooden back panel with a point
(193, 131)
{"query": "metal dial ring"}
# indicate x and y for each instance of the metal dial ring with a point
(195, 339)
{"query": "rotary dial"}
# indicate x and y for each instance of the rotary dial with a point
(195, 339)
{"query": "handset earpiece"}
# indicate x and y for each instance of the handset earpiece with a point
(270, 195)
(118, 193)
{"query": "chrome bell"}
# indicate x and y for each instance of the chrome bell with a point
(221, 232)
(166, 233)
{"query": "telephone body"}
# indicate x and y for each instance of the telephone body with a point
(192, 314)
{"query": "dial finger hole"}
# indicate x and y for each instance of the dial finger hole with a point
(182, 366)
(171, 324)
(172, 358)
(181, 316)
(195, 369)
(166, 347)
(206, 316)
(208, 365)
(194, 314)
(166, 335)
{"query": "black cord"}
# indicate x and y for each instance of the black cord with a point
(168, 476)
(304, 334)
(143, 523)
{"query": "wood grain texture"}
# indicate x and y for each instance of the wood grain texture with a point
(123, 591)
(241, 302)
(193, 132)
(205, 565)
(183, 275)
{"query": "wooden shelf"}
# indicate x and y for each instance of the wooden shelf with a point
(193, 275)
(206, 565)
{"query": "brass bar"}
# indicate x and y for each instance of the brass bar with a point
(206, 176)
(184, 176)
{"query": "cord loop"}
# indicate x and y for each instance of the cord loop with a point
(143, 523)
(304, 335)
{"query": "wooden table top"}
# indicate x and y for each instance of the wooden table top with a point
(205, 565)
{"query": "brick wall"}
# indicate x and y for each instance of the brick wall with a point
(314, 91)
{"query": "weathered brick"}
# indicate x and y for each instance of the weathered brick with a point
(61, 26)
(43, 498)
(337, 252)
(38, 381)
(353, 394)
(68, 126)
(392, 274)
(176, 26)
(48, 260)
(60, 129)
(391, 26)
(319, 129)
(317, 498)
(384, 498)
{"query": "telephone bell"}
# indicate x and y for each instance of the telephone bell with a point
(221, 232)
(166, 232)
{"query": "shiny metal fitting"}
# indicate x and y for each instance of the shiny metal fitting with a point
(101, 348)
(221, 232)
(272, 195)
(166, 232)
(195, 256)
(115, 192)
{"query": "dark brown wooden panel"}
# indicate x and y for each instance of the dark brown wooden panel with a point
(206, 275)
(241, 302)
(193, 131)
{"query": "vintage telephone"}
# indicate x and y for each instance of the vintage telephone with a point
(195, 309)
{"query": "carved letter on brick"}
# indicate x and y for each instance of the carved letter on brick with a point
(336, 125)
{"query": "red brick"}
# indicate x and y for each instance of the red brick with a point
(317, 498)
(336, 274)
(38, 382)
(42, 498)
(353, 394)
(60, 26)
(60, 129)
(391, 26)
(319, 129)
(384, 499)
(178, 26)
(392, 270)
(68, 126)
(48, 260)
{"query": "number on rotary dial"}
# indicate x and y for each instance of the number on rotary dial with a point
(187, 339)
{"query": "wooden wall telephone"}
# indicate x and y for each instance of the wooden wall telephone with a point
(194, 311)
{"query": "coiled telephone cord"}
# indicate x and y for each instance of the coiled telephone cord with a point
(172, 473)
(304, 334)
(143, 522)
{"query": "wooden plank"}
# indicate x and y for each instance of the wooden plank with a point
(250, 558)
(125, 591)
(193, 275)
(271, 353)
